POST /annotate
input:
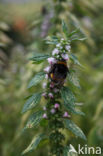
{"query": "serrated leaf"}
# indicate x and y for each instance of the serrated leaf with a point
(73, 79)
(38, 58)
(32, 102)
(34, 120)
(74, 59)
(37, 79)
(67, 96)
(74, 129)
(73, 110)
(64, 28)
(35, 142)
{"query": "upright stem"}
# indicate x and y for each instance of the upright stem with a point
(55, 126)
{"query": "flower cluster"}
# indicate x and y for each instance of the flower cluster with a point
(60, 52)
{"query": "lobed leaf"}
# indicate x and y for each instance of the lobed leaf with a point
(39, 58)
(37, 79)
(35, 142)
(32, 102)
(74, 79)
(74, 129)
(67, 96)
(34, 120)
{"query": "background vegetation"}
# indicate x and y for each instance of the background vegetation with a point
(21, 35)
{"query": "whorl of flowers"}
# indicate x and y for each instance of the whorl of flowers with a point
(59, 99)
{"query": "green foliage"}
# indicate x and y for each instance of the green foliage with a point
(72, 77)
(64, 28)
(34, 120)
(52, 40)
(37, 79)
(32, 102)
(75, 59)
(74, 129)
(67, 152)
(67, 96)
(38, 58)
(73, 110)
(35, 142)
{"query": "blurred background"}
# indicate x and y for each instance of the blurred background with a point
(23, 26)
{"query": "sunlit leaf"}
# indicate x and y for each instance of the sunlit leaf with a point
(78, 39)
(73, 110)
(74, 128)
(37, 79)
(35, 142)
(38, 58)
(32, 102)
(74, 59)
(73, 79)
(34, 120)
(67, 96)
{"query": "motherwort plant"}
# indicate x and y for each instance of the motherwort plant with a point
(60, 101)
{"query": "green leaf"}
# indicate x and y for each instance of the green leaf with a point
(39, 58)
(53, 40)
(78, 39)
(67, 152)
(37, 79)
(74, 32)
(35, 142)
(67, 96)
(64, 28)
(73, 79)
(34, 120)
(74, 59)
(73, 110)
(74, 129)
(32, 102)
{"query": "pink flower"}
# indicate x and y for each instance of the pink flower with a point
(55, 51)
(66, 115)
(44, 94)
(47, 69)
(52, 110)
(51, 60)
(68, 47)
(45, 116)
(56, 105)
(65, 56)
(50, 95)
(44, 108)
(46, 76)
(52, 85)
